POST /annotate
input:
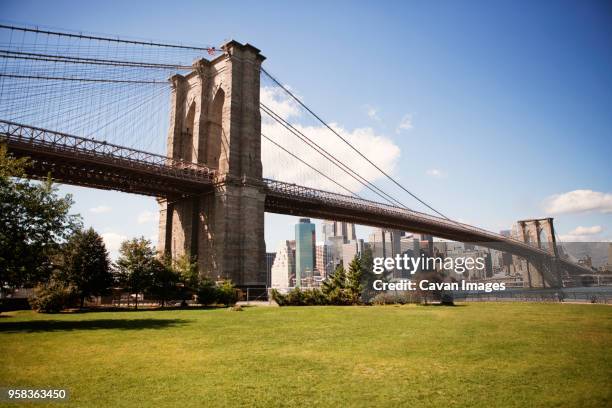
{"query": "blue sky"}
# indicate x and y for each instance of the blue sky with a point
(506, 106)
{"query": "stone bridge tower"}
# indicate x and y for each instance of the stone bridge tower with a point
(541, 234)
(215, 121)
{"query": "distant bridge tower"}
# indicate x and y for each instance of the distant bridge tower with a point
(215, 121)
(541, 234)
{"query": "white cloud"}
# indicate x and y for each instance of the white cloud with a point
(578, 201)
(278, 101)
(405, 123)
(147, 216)
(576, 238)
(582, 234)
(595, 229)
(372, 113)
(113, 241)
(435, 173)
(100, 209)
(280, 166)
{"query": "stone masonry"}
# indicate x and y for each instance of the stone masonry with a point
(541, 234)
(215, 121)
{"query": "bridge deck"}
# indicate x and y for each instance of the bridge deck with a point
(91, 163)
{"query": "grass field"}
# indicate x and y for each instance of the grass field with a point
(477, 355)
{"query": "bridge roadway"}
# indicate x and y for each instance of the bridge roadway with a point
(87, 162)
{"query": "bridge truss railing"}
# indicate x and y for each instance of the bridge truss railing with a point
(39, 138)
(374, 207)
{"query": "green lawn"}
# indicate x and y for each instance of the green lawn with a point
(480, 354)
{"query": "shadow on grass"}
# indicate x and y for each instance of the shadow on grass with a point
(105, 324)
(105, 309)
(447, 305)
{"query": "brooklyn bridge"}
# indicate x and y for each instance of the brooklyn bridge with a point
(161, 120)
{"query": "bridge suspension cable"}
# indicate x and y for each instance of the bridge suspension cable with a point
(106, 38)
(109, 81)
(310, 166)
(106, 87)
(90, 61)
(331, 158)
(318, 118)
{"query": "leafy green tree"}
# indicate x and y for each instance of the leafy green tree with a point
(353, 281)
(87, 265)
(53, 296)
(34, 221)
(187, 269)
(164, 282)
(135, 265)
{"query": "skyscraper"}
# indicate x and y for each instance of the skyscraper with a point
(324, 264)
(385, 243)
(283, 268)
(346, 230)
(327, 227)
(305, 250)
(427, 244)
(269, 262)
(350, 250)
(335, 235)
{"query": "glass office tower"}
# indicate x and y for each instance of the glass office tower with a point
(305, 247)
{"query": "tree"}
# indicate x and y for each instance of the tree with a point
(187, 269)
(163, 282)
(53, 296)
(135, 265)
(334, 288)
(368, 276)
(87, 265)
(353, 281)
(34, 221)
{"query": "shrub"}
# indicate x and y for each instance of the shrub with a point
(395, 298)
(226, 293)
(314, 297)
(279, 298)
(295, 297)
(53, 297)
(223, 292)
(300, 297)
(447, 299)
(207, 292)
